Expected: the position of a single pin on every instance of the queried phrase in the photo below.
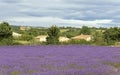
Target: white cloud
(47, 21)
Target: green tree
(98, 38)
(112, 35)
(85, 30)
(53, 35)
(5, 34)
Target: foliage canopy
(5, 34)
(85, 30)
(53, 35)
(5, 30)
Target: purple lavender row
(59, 60)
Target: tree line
(101, 36)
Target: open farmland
(59, 60)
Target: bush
(26, 37)
(82, 41)
(6, 41)
(17, 43)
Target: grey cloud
(10, 1)
(96, 2)
(65, 9)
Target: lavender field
(59, 60)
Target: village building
(14, 34)
(23, 28)
(82, 36)
(63, 39)
(42, 38)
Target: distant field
(59, 60)
(63, 30)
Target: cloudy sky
(60, 12)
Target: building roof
(82, 37)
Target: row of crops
(59, 60)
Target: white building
(84, 37)
(42, 38)
(63, 39)
(14, 34)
